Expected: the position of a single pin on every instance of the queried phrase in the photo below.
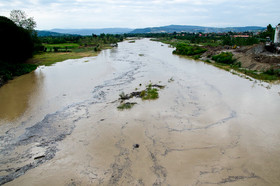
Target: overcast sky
(145, 13)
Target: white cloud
(143, 13)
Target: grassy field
(49, 58)
(62, 46)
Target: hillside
(42, 33)
(186, 28)
(85, 32)
(163, 29)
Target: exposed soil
(253, 57)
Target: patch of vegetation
(189, 50)
(133, 41)
(273, 72)
(49, 58)
(60, 47)
(196, 57)
(8, 71)
(150, 93)
(252, 73)
(224, 57)
(127, 105)
(207, 61)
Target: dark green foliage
(273, 72)
(185, 49)
(16, 42)
(269, 32)
(224, 57)
(229, 40)
(9, 70)
(17, 45)
(205, 39)
(94, 41)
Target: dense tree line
(16, 42)
(83, 40)
(211, 39)
(17, 45)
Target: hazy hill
(186, 28)
(42, 33)
(162, 29)
(85, 32)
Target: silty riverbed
(60, 125)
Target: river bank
(45, 59)
(206, 127)
(252, 60)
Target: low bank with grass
(9, 71)
(226, 61)
(223, 60)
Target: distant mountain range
(163, 29)
(186, 28)
(84, 32)
(42, 33)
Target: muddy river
(60, 124)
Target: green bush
(197, 57)
(273, 72)
(224, 57)
(185, 49)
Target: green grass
(150, 93)
(252, 73)
(49, 58)
(8, 71)
(61, 46)
(74, 51)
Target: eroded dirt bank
(208, 127)
(254, 57)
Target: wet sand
(208, 127)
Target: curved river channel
(60, 125)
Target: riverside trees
(16, 42)
(17, 45)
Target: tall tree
(16, 42)
(20, 18)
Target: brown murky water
(60, 125)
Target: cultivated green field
(61, 47)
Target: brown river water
(60, 125)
